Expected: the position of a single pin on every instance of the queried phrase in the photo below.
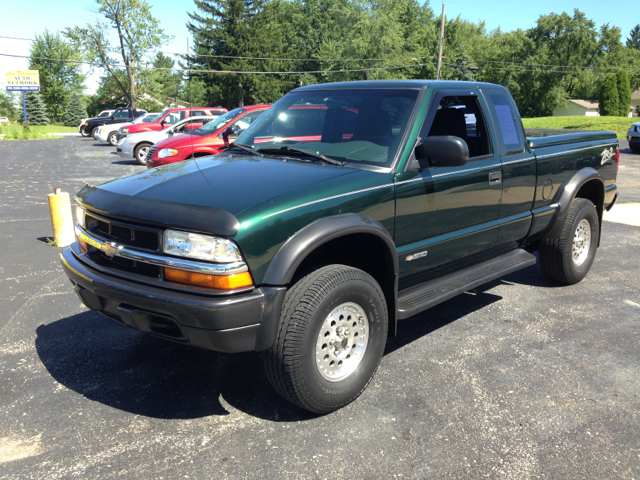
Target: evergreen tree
(634, 38)
(36, 110)
(225, 27)
(624, 93)
(75, 111)
(609, 98)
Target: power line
(193, 70)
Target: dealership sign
(23, 80)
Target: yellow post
(61, 218)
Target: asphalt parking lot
(519, 379)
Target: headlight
(80, 216)
(167, 152)
(202, 247)
(124, 130)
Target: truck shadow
(109, 363)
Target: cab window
(121, 114)
(461, 116)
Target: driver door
(446, 216)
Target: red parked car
(207, 140)
(171, 116)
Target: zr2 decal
(607, 155)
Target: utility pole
(441, 43)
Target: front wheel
(83, 132)
(112, 139)
(568, 258)
(140, 153)
(332, 334)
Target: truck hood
(205, 194)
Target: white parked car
(108, 133)
(137, 145)
(104, 113)
(4, 120)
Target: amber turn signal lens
(82, 244)
(222, 282)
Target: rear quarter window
(506, 121)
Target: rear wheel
(112, 139)
(333, 330)
(140, 153)
(568, 258)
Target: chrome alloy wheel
(342, 341)
(142, 154)
(581, 242)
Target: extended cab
(340, 211)
(121, 115)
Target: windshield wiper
(301, 152)
(245, 148)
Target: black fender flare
(567, 193)
(290, 256)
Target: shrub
(609, 98)
(624, 93)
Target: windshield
(363, 126)
(220, 122)
(150, 117)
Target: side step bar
(420, 297)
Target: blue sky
(26, 19)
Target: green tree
(609, 98)
(624, 93)
(60, 70)
(75, 111)
(8, 105)
(36, 110)
(634, 38)
(138, 32)
(225, 28)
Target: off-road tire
(557, 254)
(290, 364)
(137, 155)
(112, 139)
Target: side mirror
(228, 132)
(442, 151)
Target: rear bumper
(235, 323)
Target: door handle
(495, 178)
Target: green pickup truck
(342, 210)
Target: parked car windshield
(219, 122)
(363, 126)
(150, 117)
(104, 114)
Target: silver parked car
(633, 137)
(137, 145)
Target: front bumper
(234, 323)
(125, 150)
(102, 136)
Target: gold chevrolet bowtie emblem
(110, 249)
